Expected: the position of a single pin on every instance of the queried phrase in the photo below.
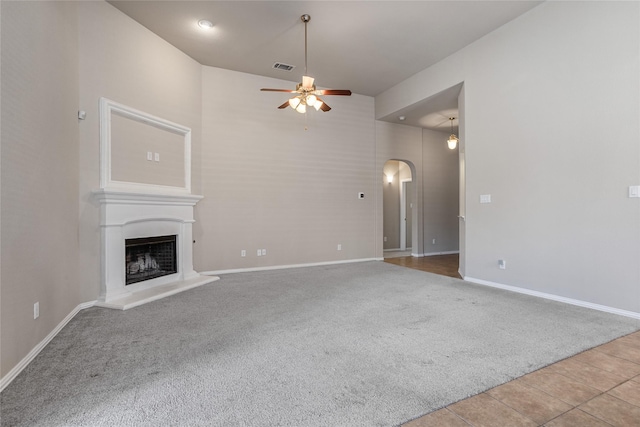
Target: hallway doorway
(398, 206)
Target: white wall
(270, 184)
(39, 173)
(552, 131)
(123, 61)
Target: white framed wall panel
(107, 109)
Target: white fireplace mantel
(127, 215)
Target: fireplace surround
(127, 216)
(138, 211)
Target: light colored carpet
(367, 344)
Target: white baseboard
(579, 303)
(441, 253)
(13, 373)
(282, 267)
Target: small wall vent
(284, 67)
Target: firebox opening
(150, 257)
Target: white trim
(417, 255)
(283, 267)
(107, 107)
(132, 198)
(441, 253)
(13, 373)
(579, 303)
(393, 250)
(403, 213)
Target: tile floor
(599, 387)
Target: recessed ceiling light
(203, 23)
(402, 118)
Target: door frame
(403, 213)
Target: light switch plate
(634, 191)
(485, 198)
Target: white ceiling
(364, 46)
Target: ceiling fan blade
(285, 105)
(307, 82)
(278, 90)
(343, 92)
(324, 107)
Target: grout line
(458, 416)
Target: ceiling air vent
(284, 67)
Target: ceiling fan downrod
(305, 18)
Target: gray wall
(269, 183)
(131, 140)
(39, 189)
(434, 189)
(543, 96)
(441, 175)
(391, 205)
(399, 142)
(552, 124)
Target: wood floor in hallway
(445, 265)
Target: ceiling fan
(306, 92)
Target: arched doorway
(398, 208)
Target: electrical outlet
(339, 246)
(385, 238)
(259, 253)
(149, 155)
(36, 310)
(264, 252)
(433, 242)
(156, 157)
(243, 253)
(502, 264)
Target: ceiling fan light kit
(306, 92)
